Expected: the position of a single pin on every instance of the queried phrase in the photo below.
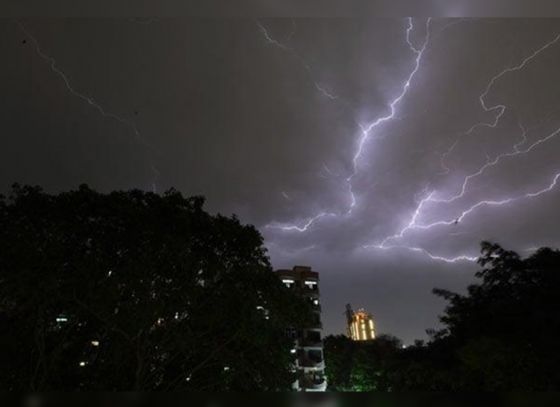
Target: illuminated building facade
(360, 325)
(308, 343)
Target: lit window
(288, 282)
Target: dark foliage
(137, 291)
(501, 335)
(360, 366)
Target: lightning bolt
(410, 224)
(366, 129)
(491, 163)
(369, 128)
(423, 251)
(479, 204)
(305, 227)
(500, 109)
(324, 91)
(452, 23)
(413, 225)
(369, 131)
(271, 40)
(91, 102)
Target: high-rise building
(308, 343)
(360, 324)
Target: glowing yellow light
(362, 326)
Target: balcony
(311, 359)
(313, 381)
(310, 364)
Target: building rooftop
(299, 272)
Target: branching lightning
(500, 109)
(366, 129)
(90, 101)
(369, 128)
(321, 88)
(305, 227)
(413, 225)
(432, 197)
(493, 162)
(424, 252)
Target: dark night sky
(265, 117)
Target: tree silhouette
(501, 335)
(137, 291)
(504, 332)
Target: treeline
(503, 334)
(138, 291)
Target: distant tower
(308, 346)
(349, 319)
(360, 324)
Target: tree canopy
(360, 366)
(137, 291)
(502, 334)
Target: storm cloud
(265, 117)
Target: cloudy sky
(378, 151)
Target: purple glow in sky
(378, 151)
